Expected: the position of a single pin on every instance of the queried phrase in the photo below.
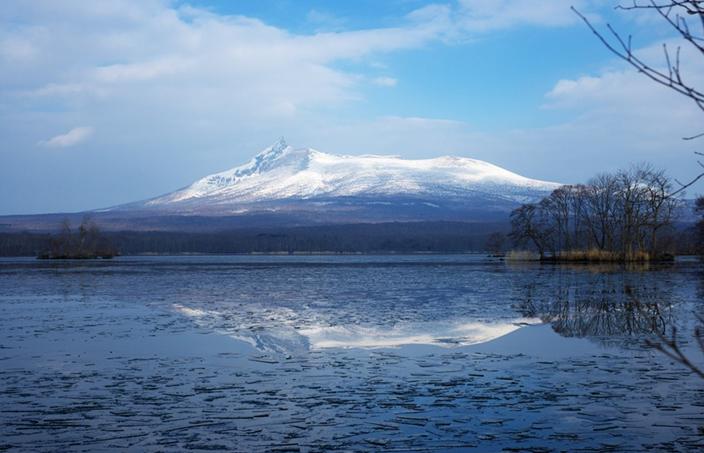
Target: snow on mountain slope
(281, 172)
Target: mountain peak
(271, 153)
(263, 161)
(280, 143)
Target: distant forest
(411, 237)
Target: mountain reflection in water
(461, 306)
(294, 335)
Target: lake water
(324, 353)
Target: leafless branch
(693, 137)
(685, 186)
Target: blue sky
(108, 102)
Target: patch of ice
(191, 312)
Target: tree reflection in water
(609, 303)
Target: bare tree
(632, 202)
(526, 227)
(660, 207)
(600, 199)
(557, 207)
(64, 243)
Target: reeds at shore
(588, 256)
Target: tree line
(627, 215)
(394, 237)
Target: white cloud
(225, 64)
(188, 62)
(624, 117)
(623, 94)
(487, 15)
(324, 20)
(15, 49)
(71, 138)
(385, 81)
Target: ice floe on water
(191, 312)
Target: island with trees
(624, 216)
(86, 242)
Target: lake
(350, 353)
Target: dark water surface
(396, 353)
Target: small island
(627, 216)
(87, 242)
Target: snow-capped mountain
(282, 178)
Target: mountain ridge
(284, 174)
